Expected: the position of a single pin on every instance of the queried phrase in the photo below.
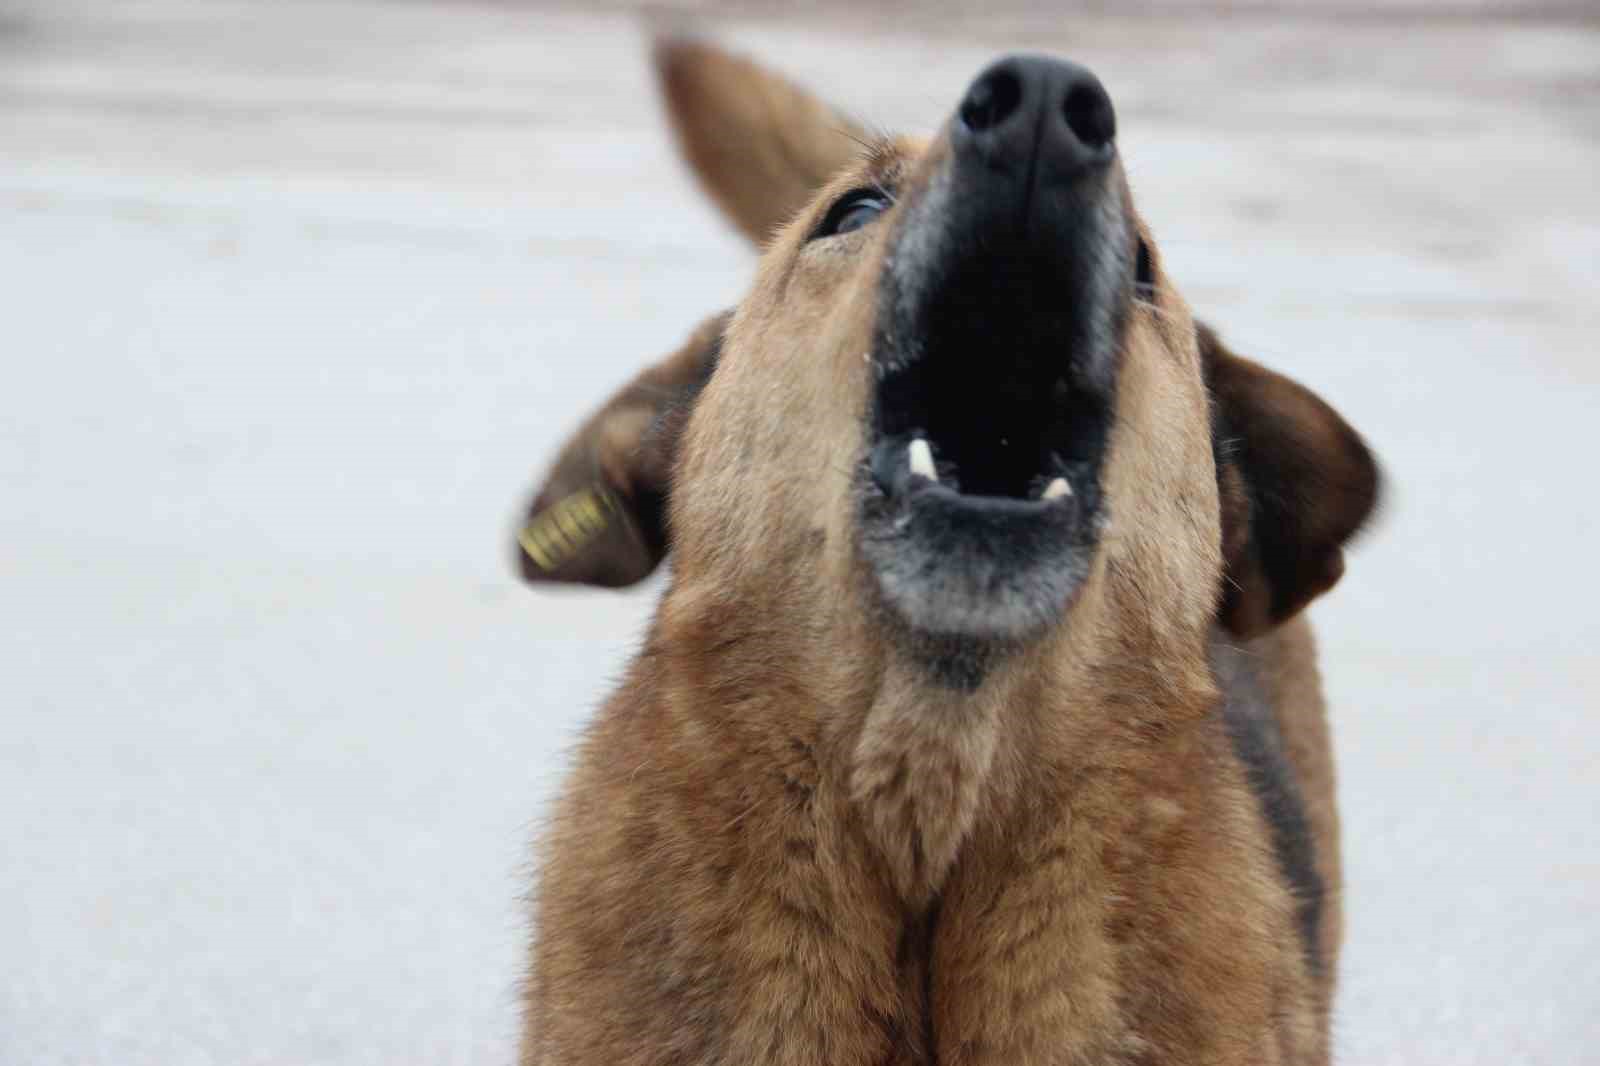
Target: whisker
(866, 145)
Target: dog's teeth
(1056, 489)
(922, 460)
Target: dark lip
(915, 498)
(1014, 507)
(894, 492)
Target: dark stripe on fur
(1253, 728)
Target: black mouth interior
(998, 423)
(1002, 410)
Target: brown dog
(977, 723)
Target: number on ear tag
(556, 535)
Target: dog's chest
(918, 776)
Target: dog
(978, 721)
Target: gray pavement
(298, 297)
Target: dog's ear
(1296, 483)
(600, 516)
(760, 145)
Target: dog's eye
(1144, 275)
(852, 211)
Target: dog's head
(962, 405)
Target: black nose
(1031, 109)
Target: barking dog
(977, 723)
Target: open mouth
(996, 356)
(981, 492)
(980, 502)
(1010, 430)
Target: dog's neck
(924, 764)
(919, 772)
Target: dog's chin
(965, 580)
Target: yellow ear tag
(554, 536)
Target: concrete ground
(299, 296)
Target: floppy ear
(600, 516)
(760, 145)
(1296, 483)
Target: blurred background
(298, 298)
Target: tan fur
(782, 844)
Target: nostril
(992, 100)
(1088, 112)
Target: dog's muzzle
(1005, 290)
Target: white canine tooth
(922, 460)
(1056, 489)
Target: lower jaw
(965, 585)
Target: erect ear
(600, 516)
(1296, 483)
(760, 145)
